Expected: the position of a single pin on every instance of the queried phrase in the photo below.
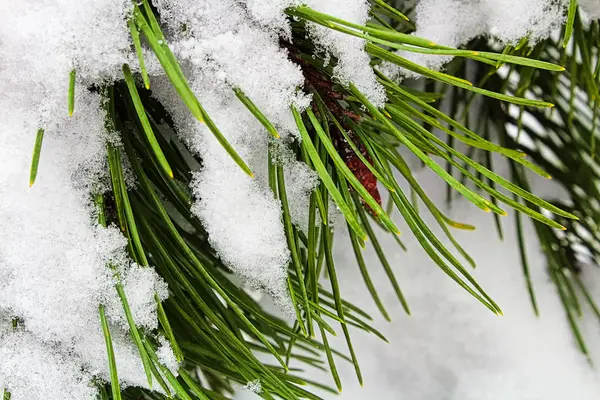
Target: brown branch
(322, 84)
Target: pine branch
(215, 328)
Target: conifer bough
(168, 152)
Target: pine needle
(112, 365)
(35, 160)
(71, 101)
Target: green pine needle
(175, 75)
(349, 175)
(570, 22)
(135, 36)
(141, 113)
(256, 112)
(112, 365)
(35, 160)
(292, 245)
(71, 100)
(326, 179)
(135, 334)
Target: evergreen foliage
(534, 114)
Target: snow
(53, 254)
(353, 60)
(591, 8)
(253, 386)
(32, 369)
(140, 284)
(166, 356)
(455, 22)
